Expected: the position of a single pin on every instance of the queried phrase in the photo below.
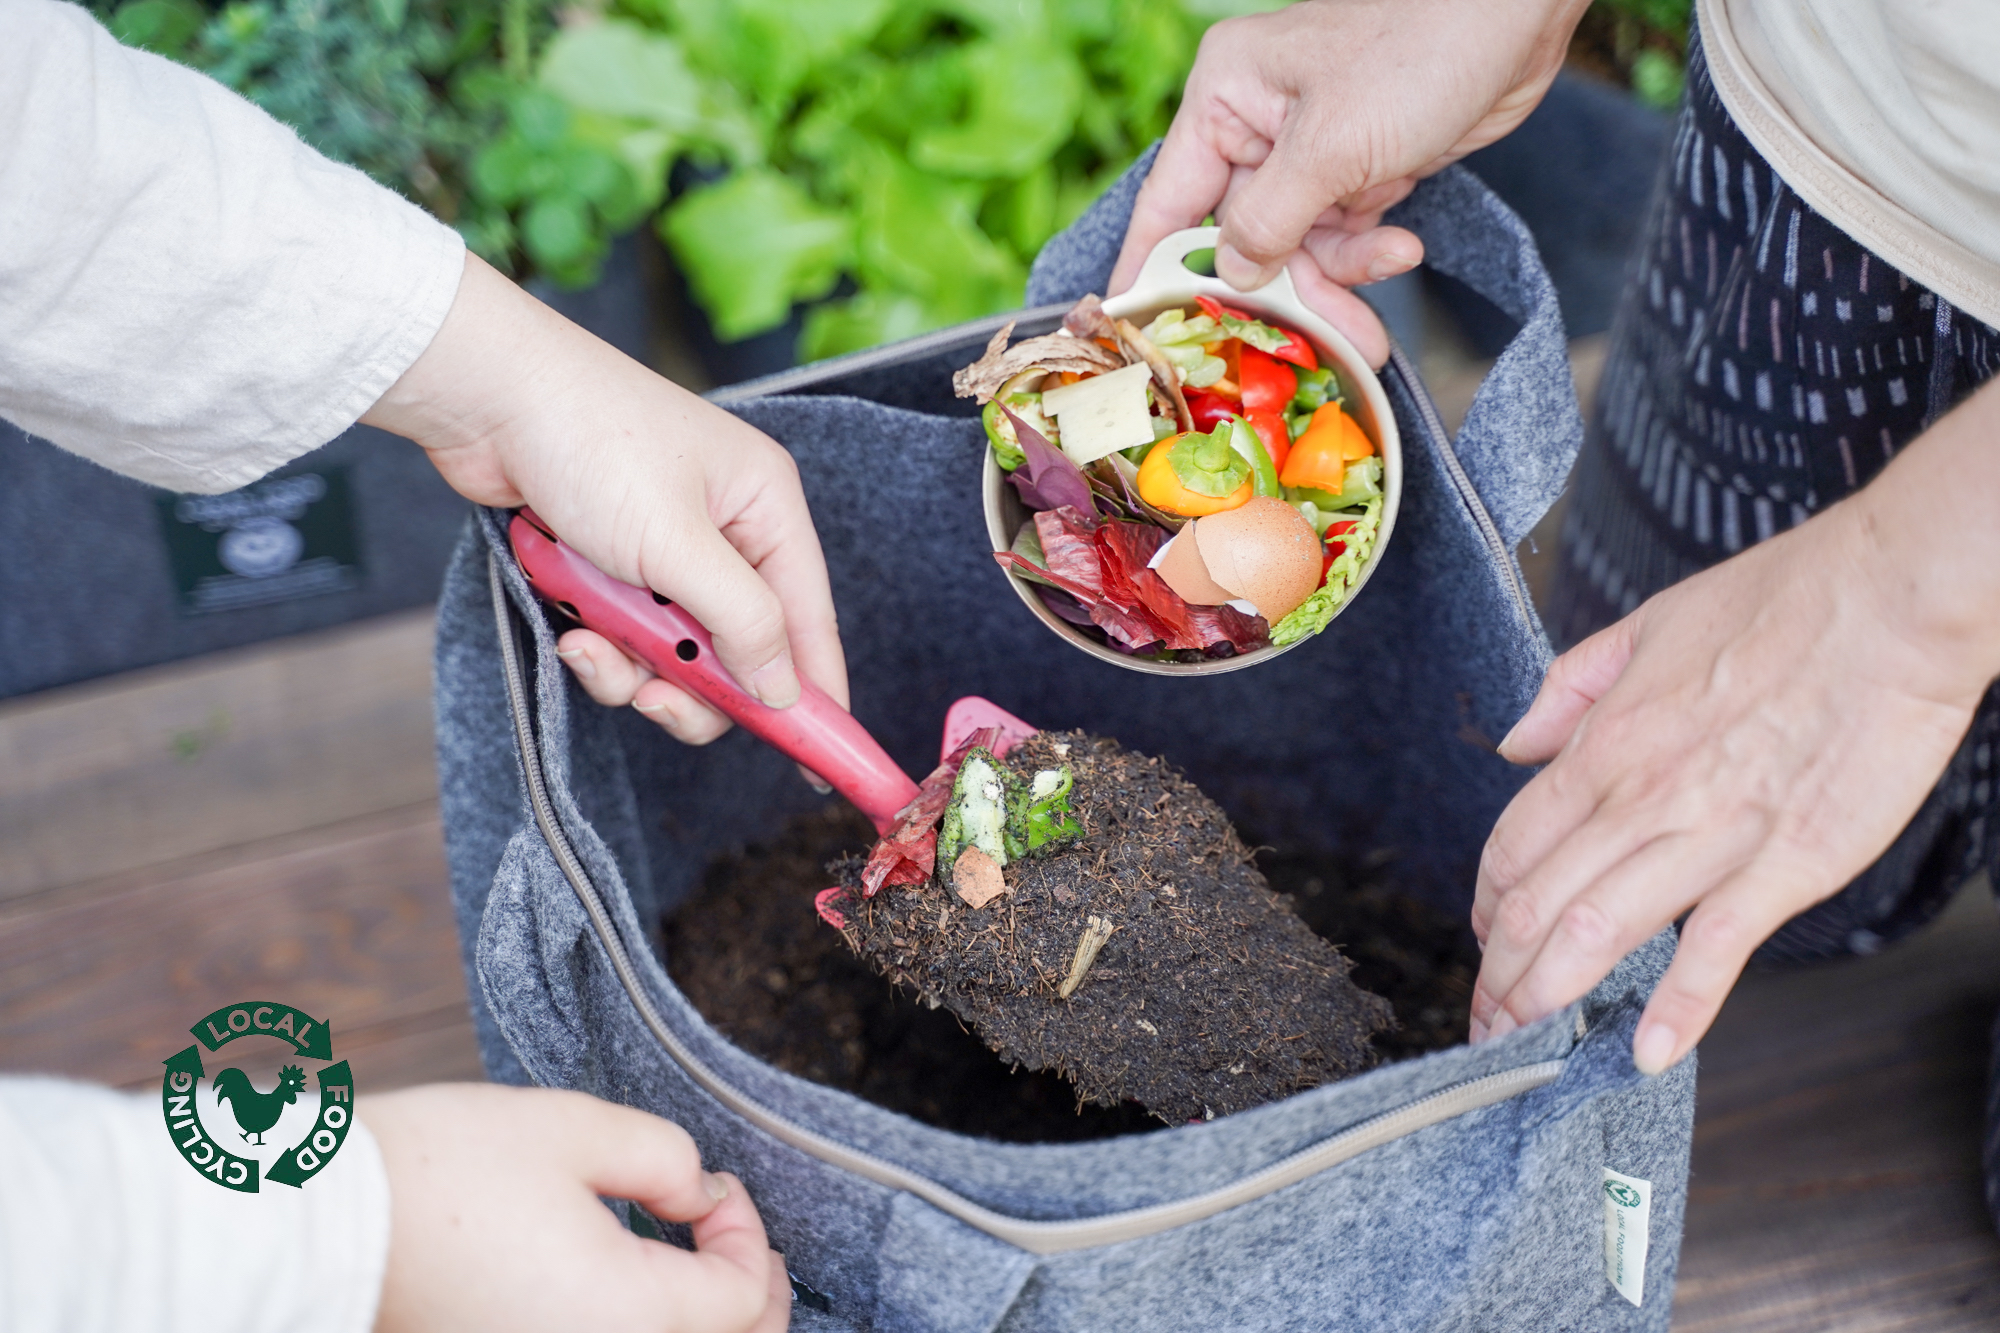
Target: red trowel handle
(815, 731)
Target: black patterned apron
(1763, 365)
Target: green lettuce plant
(894, 164)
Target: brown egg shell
(1264, 552)
(1181, 568)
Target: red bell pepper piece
(1270, 428)
(1268, 384)
(1215, 310)
(1296, 349)
(1209, 410)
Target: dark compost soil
(754, 958)
(1209, 996)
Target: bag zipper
(1468, 494)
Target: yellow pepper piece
(1160, 488)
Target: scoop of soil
(750, 954)
(1147, 961)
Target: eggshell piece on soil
(977, 879)
(1181, 567)
(1264, 552)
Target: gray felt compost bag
(1534, 1183)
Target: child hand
(496, 1224)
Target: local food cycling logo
(229, 1145)
(1622, 1194)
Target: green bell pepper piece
(1316, 389)
(1245, 440)
(1025, 403)
(1043, 811)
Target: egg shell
(1182, 569)
(1264, 552)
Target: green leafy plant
(893, 164)
(411, 91)
(1641, 43)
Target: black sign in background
(87, 587)
(329, 560)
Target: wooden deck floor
(1836, 1163)
(260, 824)
(1836, 1171)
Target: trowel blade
(972, 714)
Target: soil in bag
(1205, 992)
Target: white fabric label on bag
(1628, 1215)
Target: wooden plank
(352, 924)
(169, 762)
(1837, 1181)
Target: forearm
(509, 400)
(104, 1227)
(1928, 528)
(188, 294)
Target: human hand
(1299, 128)
(1743, 745)
(516, 405)
(496, 1225)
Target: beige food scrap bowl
(1166, 282)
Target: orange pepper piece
(1319, 458)
(1160, 488)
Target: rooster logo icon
(257, 1111)
(318, 1082)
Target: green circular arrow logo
(257, 1112)
(1622, 1194)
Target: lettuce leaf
(753, 244)
(1046, 479)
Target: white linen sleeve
(104, 1229)
(188, 294)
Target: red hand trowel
(815, 731)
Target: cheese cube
(1102, 414)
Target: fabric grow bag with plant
(1470, 1189)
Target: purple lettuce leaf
(1047, 480)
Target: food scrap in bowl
(1197, 487)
